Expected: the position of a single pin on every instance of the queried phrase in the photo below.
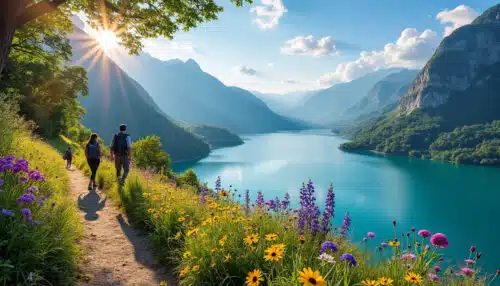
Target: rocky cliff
(456, 64)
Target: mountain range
(187, 93)
(116, 98)
(449, 110)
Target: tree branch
(36, 10)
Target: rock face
(456, 64)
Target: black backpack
(119, 145)
(93, 150)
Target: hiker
(68, 156)
(93, 155)
(121, 149)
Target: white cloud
(307, 45)
(411, 50)
(458, 17)
(271, 64)
(268, 13)
(245, 70)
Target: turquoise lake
(462, 202)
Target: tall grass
(210, 239)
(41, 249)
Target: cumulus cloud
(245, 70)
(307, 45)
(458, 17)
(268, 14)
(411, 50)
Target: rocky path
(113, 252)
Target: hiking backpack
(93, 150)
(120, 146)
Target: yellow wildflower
(308, 277)
(214, 250)
(193, 231)
(254, 278)
(163, 283)
(368, 282)
(271, 237)
(227, 258)
(385, 281)
(187, 254)
(182, 212)
(236, 208)
(196, 268)
(223, 193)
(222, 241)
(393, 243)
(273, 253)
(181, 219)
(178, 235)
(212, 206)
(251, 239)
(413, 278)
(184, 271)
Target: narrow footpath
(113, 252)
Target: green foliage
(46, 253)
(216, 137)
(148, 154)
(474, 144)
(36, 74)
(189, 178)
(397, 134)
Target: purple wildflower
(20, 165)
(286, 202)
(32, 190)
(26, 214)
(433, 277)
(308, 212)
(365, 239)
(34, 175)
(408, 257)
(34, 222)
(348, 257)
(218, 186)
(439, 240)
(277, 202)
(26, 198)
(6, 212)
(437, 269)
(260, 200)
(329, 211)
(472, 248)
(272, 205)
(6, 163)
(346, 224)
(371, 234)
(315, 227)
(383, 244)
(203, 193)
(424, 233)
(23, 180)
(328, 245)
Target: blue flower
(328, 245)
(26, 214)
(348, 257)
(7, 213)
(26, 198)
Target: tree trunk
(9, 10)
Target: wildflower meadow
(212, 238)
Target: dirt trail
(114, 252)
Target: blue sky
(310, 44)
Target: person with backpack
(68, 156)
(121, 149)
(93, 155)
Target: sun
(107, 39)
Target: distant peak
(490, 16)
(192, 63)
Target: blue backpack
(93, 151)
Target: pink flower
(437, 269)
(371, 234)
(472, 248)
(433, 277)
(424, 233)
(467, 271)
(439, 240)
(469, 261)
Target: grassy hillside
(36, 249)
(216, 137)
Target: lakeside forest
(57, 88)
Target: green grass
(45, 254)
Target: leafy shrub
(148, 154)
(189, 178)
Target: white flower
(327, 258)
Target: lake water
(462, 202)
